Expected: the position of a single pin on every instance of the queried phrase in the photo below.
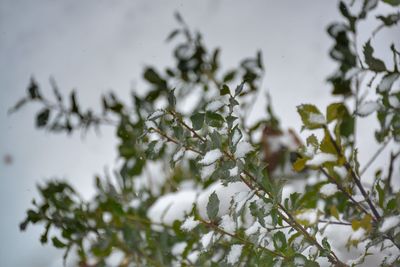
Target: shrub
(199, 186)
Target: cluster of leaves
(210, 146)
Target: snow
(321, 158)
(394, 101)
(214, 105)
(193, 256)
(234, 254)
(234, 171)
(316, 118)
(178, 248)
(309, 216)
(172, 206)
(358, 235)
(242, 149)
(254, 228)
(158, 147)
(236, 136)
(207, 171)
(328, 189)
(341, 171)
(206, 239)
(227, 224)
(225, 195)
(189, 224)
(389, 223)
(367, 108)
(178, 155)
(387, 82)
(211, 157)
(156, 114)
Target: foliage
(234, 212)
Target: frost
(299, 261)
(242, 149)
(358, 235)
(310, 216)
(214, 105)
(234, 171)
(394, 101)
(206, 239)
(234, 254)
(227, 224)
(211, 157)
(328, 189)
(389, 223)
(178, 248)
(316, 118)
(189, 224)
(321, 158)
(156, 114)
(367, 108)
(207, 171)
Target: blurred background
(101, 45)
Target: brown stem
(354, 176)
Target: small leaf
(171, 98)
(239, 89)
(224, 90)
(310, 115)
(42, 118)
(57, 243)
(197, 121)
(213, 206)
(299, 164)
(373, 63)
(279, 240)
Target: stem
(354, 176)
(343, 190)
(390, 172)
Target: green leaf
(213, 206)
(326, 144)
(57, 243)
(299, 164)
(239, 89)
(373, 63)
(214, 119)
(335, 111)
(390, 19)
(224, 90)
(279, 240)
(310, 115)
(171, 98)
(42, 118)
(392, 2)
(197, 121)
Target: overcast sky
(100, 45)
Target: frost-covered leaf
(279, 240)
(189, 224)
(234, 254)
(242, 149)
(367, 108)
(328, 189)
(310, 115)
(211, 156)
(387, 82)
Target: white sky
(100, 45)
